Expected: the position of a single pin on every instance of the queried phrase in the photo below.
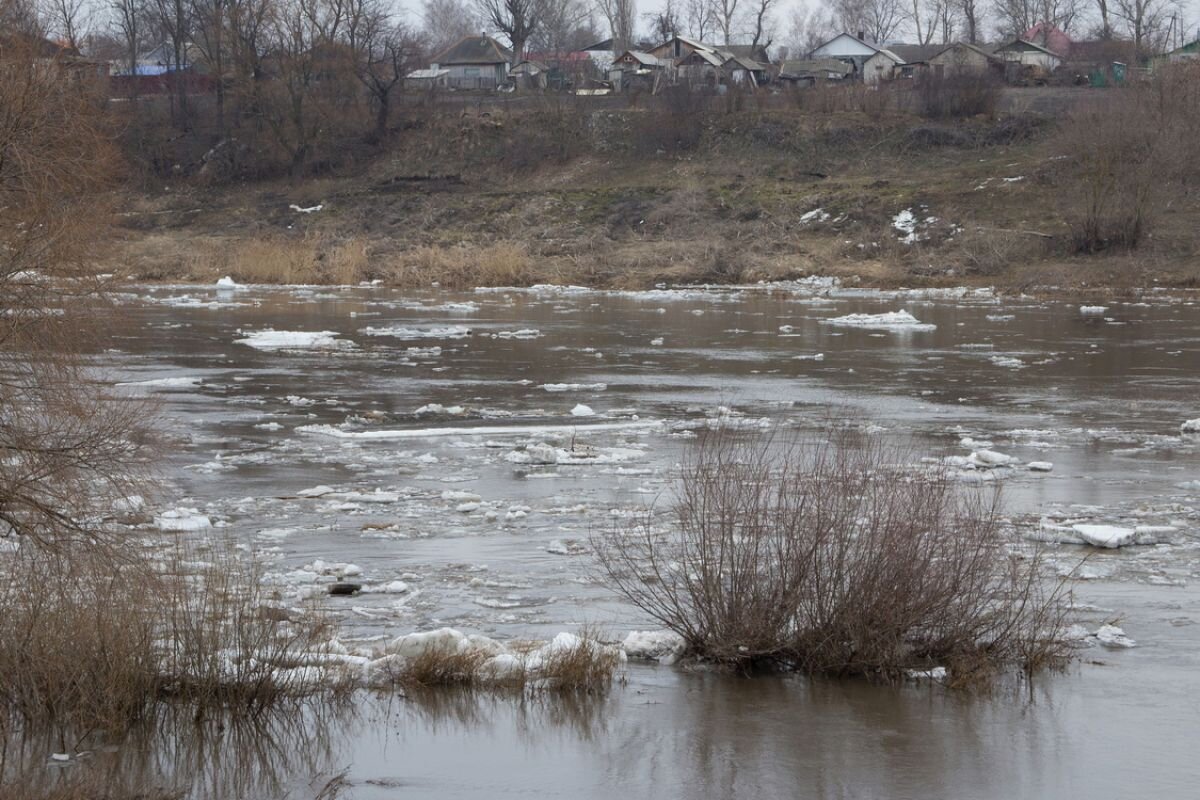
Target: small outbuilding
(1029, 54)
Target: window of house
(472, 72)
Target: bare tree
(518, 20)
(70, 20)
(725, 12)
(878, 20)
(620, 15)
(561, 24)
(174, 18)
(701, 21)
(444, 22)
(972, 15)
(764, 24)
(665, 23)
(1015, 17)
(64, 446)
(20, 16)
(129, 23)
(928, 16)
(1142, 18)
(808, 30)
(383, 51)
(211, 23)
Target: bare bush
(1128, 155)
(65, 449)
(956, 95)
(834, 557)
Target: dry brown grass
(312, 259)
(833, 556)
(97, 639)
(502, 263)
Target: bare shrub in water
(835, 557)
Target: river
(456, 451)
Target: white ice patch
(182, 519)
(491, 430)
(1190, 426)
(306, 210)
(228, 283)
(166, 383)
(665, 647)
(524, 333)
(1112, 636)
(293, 340)
(1107, 536)
(890, 320)
(906, 223)
(406, 333)
(574, 387)
(582, 411)
(1092, 311)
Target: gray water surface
(487, 542)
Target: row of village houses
(481, 62)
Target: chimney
(862, 36)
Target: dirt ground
(524, 197)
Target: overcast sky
(1190, 12)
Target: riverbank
(518, 198)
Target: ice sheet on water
(491, 430)
(1107, 536)
(270, 339)
(409, 333)
(166, 383)
(183, 520)
(574, 387)
(665, 647)
(891, 320)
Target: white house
(1028, 54)
(844, 47)
(474, 62)
(880, 67)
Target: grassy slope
(609, 212)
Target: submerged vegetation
(837, 557)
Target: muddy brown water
(1101, 394)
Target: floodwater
(467, 445)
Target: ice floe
(182, 519)
(293, 340)
(574, 387)
(409, 333)
(665, 647)
(890, 320)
